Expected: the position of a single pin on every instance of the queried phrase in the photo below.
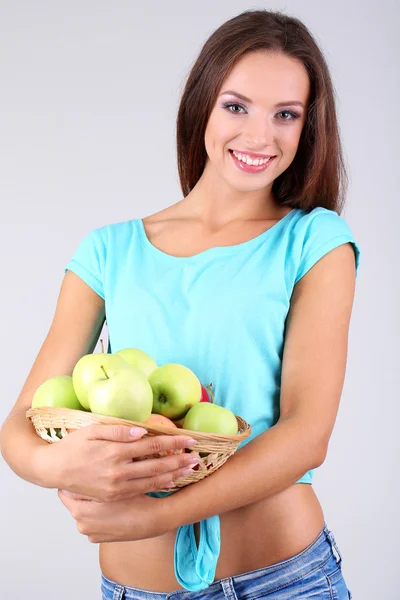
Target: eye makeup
(229, 105)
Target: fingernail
(193, 461)
(189, 442)
(170, 485)
(187, 470)
(137, 432)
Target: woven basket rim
(103, 419)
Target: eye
(229, 105)
(293, 114)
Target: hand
(118, 521)
(105, 463)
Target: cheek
(289, 152)
(289, 142)
(211, 141)
(218, 132)
(290, 136)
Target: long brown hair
(317, 175)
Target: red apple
(204, 393)
(155, 420)
(159, 420)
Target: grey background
(89, 93)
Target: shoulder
(99, 244)
(315, 233)
(321, 221)
(109, 234)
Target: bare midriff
(252, 537)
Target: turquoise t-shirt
(221, 313)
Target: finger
(152, 467)
(130, 482)
(154, 444)
(66, 499)
(115, 433)
(154, 483)
(77, 496)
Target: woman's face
(269, 122)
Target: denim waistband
(282, 573)
(291, 569)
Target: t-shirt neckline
(217, 250)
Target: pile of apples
(130, 385)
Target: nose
(258, 133)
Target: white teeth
(249, 161)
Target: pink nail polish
(190, 442)
(137, 432)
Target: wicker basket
(215, 449)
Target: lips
(252, 155)
(244, 167)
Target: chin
(247, 188)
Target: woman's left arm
(313, 372)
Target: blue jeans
(315, 572)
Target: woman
(249, 280)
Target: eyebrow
(291, 102)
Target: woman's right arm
(100, 461)
(76, 326)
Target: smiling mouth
(251, 168)
(252, 155)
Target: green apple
(210, 418)
(57, 391)
(124, 393)
(88, 370)
(139, 359)
(175, 390)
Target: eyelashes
(292, 113)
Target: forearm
(267, 465)
(19, 444)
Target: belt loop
(118, 592)
(228, 589)
(334, 546)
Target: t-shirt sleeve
(325, 231)
(88, 260)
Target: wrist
(166, 517)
